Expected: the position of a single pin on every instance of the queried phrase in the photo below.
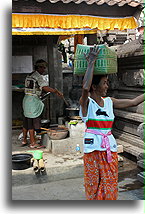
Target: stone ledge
(128, 138)
(119, 148)
(66, 146)
(129, 115)
(141, 177)
(126, 126)
(140, 163)
(127, 147)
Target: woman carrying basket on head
(100, 148)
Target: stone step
(66, 146)
(131, 139)
(126, 126)
(141, 177)
(141, 156)
(140, 163)
(127, 147)
(128, 121)
(129, 115)
(119, 148)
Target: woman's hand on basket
(92, 55)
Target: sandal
(24, 144)
(34, 146)
(41, 146)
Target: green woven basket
(106, 62)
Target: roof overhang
(72, 17)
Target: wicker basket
(106, 62)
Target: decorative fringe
(28, 24)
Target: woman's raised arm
(87, 81)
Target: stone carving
(132, 48)
(133, 77)
(141, 156)
(140, 130)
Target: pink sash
(105, 142)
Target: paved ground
(63, 179)
(69, 189)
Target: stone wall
(72, 87)
(128, 83)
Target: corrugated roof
(132, 3)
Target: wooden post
(55, 79)
(78, 39)
(51, 77)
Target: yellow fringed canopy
(51, 24)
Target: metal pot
(45, 123)
(72, 112)
(21, 161)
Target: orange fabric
(56, 24)
(100, 177)
(69, 21)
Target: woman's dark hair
(96, 80)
